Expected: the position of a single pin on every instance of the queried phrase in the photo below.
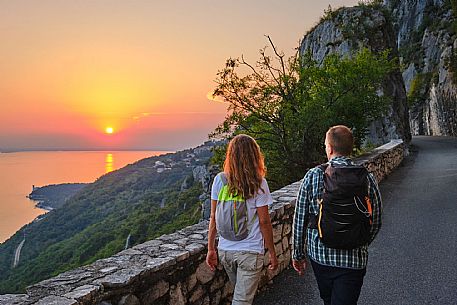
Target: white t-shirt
(254, 241)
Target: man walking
(337, 215)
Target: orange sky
(69, 69)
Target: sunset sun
(109, 130)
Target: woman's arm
(267, 233)
(211, 256)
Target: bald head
(339, 140)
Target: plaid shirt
(311, 189)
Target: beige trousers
(243, 269)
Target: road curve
(414, 258)
(17, 253)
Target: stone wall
(171, 269)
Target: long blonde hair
(244, 166)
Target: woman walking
(239, 213)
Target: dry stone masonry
(171, 269)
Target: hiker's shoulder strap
(223, 178)
(323, 166)
(311, 218)
(224, 193)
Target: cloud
(141, 115)
(213, 98)
(144, 115)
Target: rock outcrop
(423, 33)
(205, 175)
(427, 42)
(346, 31)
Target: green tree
(288, 104)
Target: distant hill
(54, 195)
(151, 197)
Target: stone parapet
(171, 269)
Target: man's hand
(273, 261)
(299, 266)
(211, 259)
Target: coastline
(22, 170)
(52, 196)
(40, 205)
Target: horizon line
(13, 150)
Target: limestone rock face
(350, 29)
(426, 39)
(205, 175)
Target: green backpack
(231, 214)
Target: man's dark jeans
(338, 286)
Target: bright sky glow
(146, 68)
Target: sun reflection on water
(109, 163)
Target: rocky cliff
(349, 29)
(422, 33)
(427, 41)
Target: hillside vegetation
(55, 195)
(151, 197)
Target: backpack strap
(223, 178)
(312, 218)
(224, 191)
(323, 166)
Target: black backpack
(345, 214)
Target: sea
(20, 171)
